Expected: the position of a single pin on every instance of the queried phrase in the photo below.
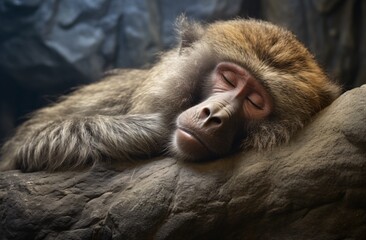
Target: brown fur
(131, 113)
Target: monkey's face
(217, 125)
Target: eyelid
(254, 104)
(227, 80)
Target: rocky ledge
(312, 188)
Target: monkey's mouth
(191, 144)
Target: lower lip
(189, 144)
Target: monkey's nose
(209, 118)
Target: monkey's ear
(189, 31)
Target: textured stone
(48, 47)
(45, 44)
(312, 188)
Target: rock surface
(47, 43)
(48, 47)
(312, 188)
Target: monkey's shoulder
(121, 73)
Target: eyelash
(227, 81)
(255, 105)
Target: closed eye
(256, 105)
(227, 80)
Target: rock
(312, 188)
(45, 44)
(49, 47)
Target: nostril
(205, 112)
(208, 117)
(216, 120)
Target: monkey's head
(257, 88)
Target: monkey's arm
(81, 141)
(90, 125)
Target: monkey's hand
(82, 141)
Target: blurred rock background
(49, 46)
